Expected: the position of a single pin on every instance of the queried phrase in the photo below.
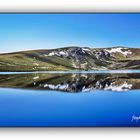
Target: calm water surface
(70, 98)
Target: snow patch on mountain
(85, 49)
(51, 54)
(59, 53)
(119, 50)
(62, 53)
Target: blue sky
(42, 31)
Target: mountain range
(71, 58)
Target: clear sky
(42, 31)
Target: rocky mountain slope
(72, 58)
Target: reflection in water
(72, 82)
(34, 107)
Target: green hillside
(71, 58)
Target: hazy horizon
(21, 32)
(62, 47)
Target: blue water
(24, 101)
(52, 108)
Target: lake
(70, 98)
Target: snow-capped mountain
(72, 58)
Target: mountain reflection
(71, 82)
